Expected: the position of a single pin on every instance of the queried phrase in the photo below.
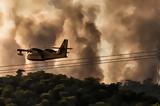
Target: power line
(29, 70)
(96, 62)
(99, 62)
(92, 62)
(85, 61)
(115, 55)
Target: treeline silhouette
(45, 89)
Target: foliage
(44, 89)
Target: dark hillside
(44, 89)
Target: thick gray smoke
(38, 35)
(8, 44)
(134, 24)
(40, 24)
(125, 25)
(8, 55)
(85, 34)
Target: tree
(7, 91)
(156, 104)
(45, 102)
(100, 104)
(67, 101)
(11, 104)
(20, 73)
(140, 104)
(45, 96)
(2, 101)
(44, 89)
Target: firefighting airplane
(35, 54)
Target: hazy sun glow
(8, 24)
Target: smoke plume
(133, 25)
(85, 34)
(125, 26)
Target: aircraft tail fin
(63, 48)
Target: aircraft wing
(23, 50)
